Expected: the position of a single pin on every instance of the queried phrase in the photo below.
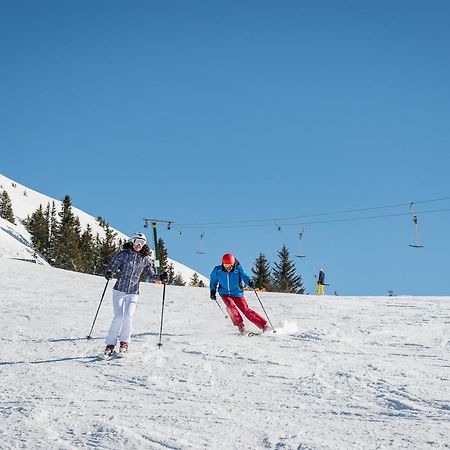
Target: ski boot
(123, 349)
(241, 329)
(108, 353)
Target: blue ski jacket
(230, 283)
(130, 265)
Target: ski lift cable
(381, 216)
(272, 220)
(349, 219)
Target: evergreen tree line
(281, 277)
(59, 239)
(195, 281)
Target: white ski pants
(124, 306)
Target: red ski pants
(233, 303)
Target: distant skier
(321, 283)
(130, 263)
(229, 278)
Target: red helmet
(228, 258)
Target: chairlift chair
(201, 251)
(416, 225)
(300, 237)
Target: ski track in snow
(340, 373)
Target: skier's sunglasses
(137, 241)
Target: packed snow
(339, 373)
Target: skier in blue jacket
(229, 278)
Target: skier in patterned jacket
(229, 278)
(130, 263)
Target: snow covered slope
(340, 373)
(15, 241)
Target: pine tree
(89, 254)
(37, 226)
(194, 280)
(170, 274)
(163, 256)
(262, 273)
(178, 280)
(67, 239)
(52, 223)
(284, 276)
(106, 248)
(6, 210)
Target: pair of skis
(113, 355)
(251, 333)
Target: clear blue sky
(222, 111)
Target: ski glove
(163, 277)
(108, 275)
(251, 284)
(212, 295)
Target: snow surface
(340, 373)
(15, 241)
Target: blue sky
(223, 111)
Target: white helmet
(139, 238)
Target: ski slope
(340, 373)
(15, 241)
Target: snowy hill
(340, 373)
(15, 241)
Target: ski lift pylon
(300, 237)
(416, 225)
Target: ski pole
(226, 317)
(257, 296)
(98, 309)
(162, 315)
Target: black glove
(251, 284)
(163, 277)
(108, 275)
(212, 295)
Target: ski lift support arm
(154, 222)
